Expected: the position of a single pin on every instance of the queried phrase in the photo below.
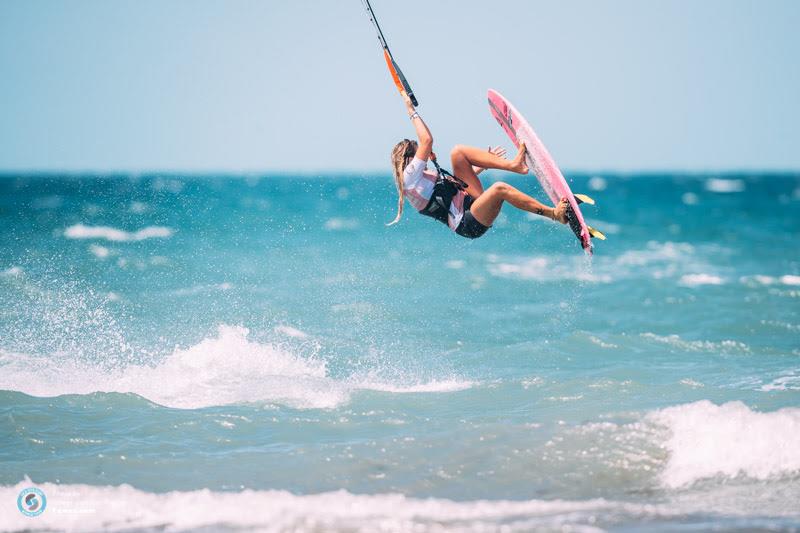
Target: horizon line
(338, 171)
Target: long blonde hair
(402, 153)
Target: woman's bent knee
(457, 151)
(499, 187)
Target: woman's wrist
(412, 115)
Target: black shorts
(469, 226)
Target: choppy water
(262, 353)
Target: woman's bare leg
(486, 208)
(463, 158)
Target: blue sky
(301, 85)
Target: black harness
(446, 187)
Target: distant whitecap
(597, 183)
(81, 231)
(693, 280)
(790, 280)
(788, 381)
(724, 185)
(101, 252)
(690, 198)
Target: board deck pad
(540, 162)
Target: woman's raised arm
(425, 144)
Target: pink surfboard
(540, 162)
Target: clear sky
(300, 85)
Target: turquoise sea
(261, 353)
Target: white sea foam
(78, 507)
(781, 325)
(94, 508)
(693, 280)
(573, 398)
(665, 260)
(761, 279)
(729, 440)
(610, 384)
(758, 279)
(220, 370)
(724, 346)
(535, 381)
(789, 380)
(81, 231)
(658, 260)
(679, 446)
(789, 294)
(725, 185)
(447, 385)
(601, 343)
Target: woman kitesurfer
(459, 200)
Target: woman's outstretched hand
(499, 151)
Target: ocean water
(261, 353)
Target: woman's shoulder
(415, 169)
(416, 166)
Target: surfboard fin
(583, 199)
(595, 234)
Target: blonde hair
(402, 153)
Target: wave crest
(221, 370)
(729, 440)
